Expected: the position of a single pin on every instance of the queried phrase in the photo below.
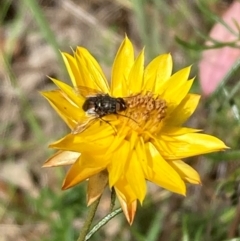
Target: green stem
(88, 221)
(103, 222)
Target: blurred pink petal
(215, 63)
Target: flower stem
(103, 222)
(88, 221)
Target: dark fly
(102, 105)
(96, 106)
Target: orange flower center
(145, 112)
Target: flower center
(145, 112)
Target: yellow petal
(88, 78)
(157, 73)
(77, 143)
(62, 158)
(118, 162)
(135, 177)
(161, 173)
(96, 186)
(99, 133)
(143, 157)
(177, 79)
(84, 168)
(135, 78)
(70, 93)
(66, 110)
(183, 111)
(118, 141)
(90, 71)
(134, 138)
(122, 65)
(176, 88)
(186, 145)
(176, 131)
(187, 173)
(72, 68)
(129, 210)
(124, 190)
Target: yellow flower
(143, 141)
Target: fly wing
(86, 91)
(83, 124)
